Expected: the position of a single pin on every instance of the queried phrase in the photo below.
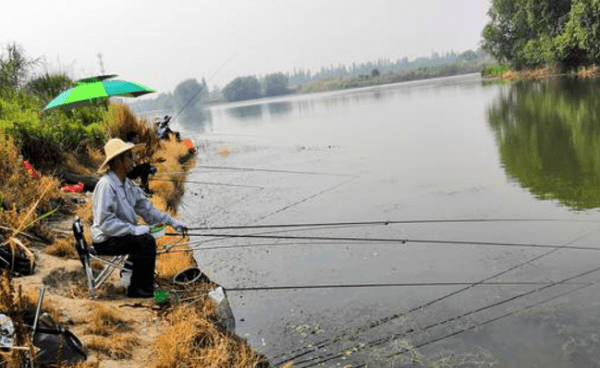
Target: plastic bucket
(190, 276)
(157, 231)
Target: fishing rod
(205, 183)
(388, 240)
(384, 223)
(252, 169)
(201, 88)
(306, 198)
(384, 285)
(436, 324)
(380, 321)
(458, 332)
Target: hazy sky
(162, 43)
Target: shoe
(139, 293)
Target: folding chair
(87, 254)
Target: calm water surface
(448, 148)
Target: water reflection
(245, 112)
(195, 119)
(548, 136)
(280, 108)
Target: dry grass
(23, 197)
(192, 340)
(120, 121)
(533, 74)
(105, 321)
(84, 211)
(169, 264)
(63, 248)
(114, 347)
(592, 71)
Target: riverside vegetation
(35, 221)
(543, 38)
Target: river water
(443, 149)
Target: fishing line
(228, 168)
(218, 237)
(398, 335)
(307, 198)
(486, 322)
(205, 182)
(209, 79)
(381, 321)
(228, 205)
(390, 240)
(193, 246)
(384, 223)
(377, 285)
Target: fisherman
(117, 204)
(141, 171)
(164, 131)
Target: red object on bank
(30, 168)
(73, 188)
(189, 144)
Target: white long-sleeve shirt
(117, 207)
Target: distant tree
(242, 88)
(275, 84)
(525, 32)
(190, 93)
(215, 94)
(468, 55)
(14, 67)
(579, 43)
(48, 86)
(375, 73)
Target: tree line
(251, 87)
(532, 33)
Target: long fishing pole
(252, 169)
(290, 205)
(384, 223)
(386, 285)
(389, 240)
(302, 200)
(436, 324)
(201, 88)
(206, 183)
(324, 343)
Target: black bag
(17, 264)
(56, 344)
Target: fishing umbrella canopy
(84, 93)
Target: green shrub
(495, 70)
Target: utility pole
(101, 63)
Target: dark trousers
(142, 255)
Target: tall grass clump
(20, 191)
(120, 121)
(192, 340)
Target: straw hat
(114, 148)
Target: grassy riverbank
(506, 73)
(388, 77)
(117, 331)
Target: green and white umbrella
(85, 93)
